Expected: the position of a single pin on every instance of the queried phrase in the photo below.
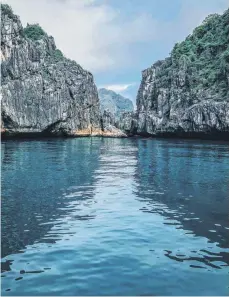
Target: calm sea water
(93, 216)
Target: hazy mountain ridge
(115, 103)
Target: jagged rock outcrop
(45, 93)
(108, 118)
(111, 124)
(42, 91)
(187, 94)
(128, 123)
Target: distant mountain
(115, 103)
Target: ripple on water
(114, 217)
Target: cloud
(104, 36)
(126, 90)
(91, 32)
(191, 14)
(117, 87)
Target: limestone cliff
(42, 91)
(187, 94)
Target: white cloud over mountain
(100, 37)
(91, 33)
(117, 88)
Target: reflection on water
(34, 182)
(188, 184)
(115, 217)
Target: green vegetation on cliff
(188, 92)
(203, 56)
(34, 32)
(7, 10)
(58, 55)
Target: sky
(116, 39)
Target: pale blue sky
(117, 39)
(175, 19)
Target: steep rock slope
(114, 103)
(114, 108)
(42, 91)
(188, 92)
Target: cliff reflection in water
(33, 173)
(115, 217)
(187, 183)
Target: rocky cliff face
(188, 93)
(45, 93)
(42, 91)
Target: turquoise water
(93, 216)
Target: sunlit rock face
(42, 91)
(188, 93)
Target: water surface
(91, 216)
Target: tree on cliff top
(34, 32)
